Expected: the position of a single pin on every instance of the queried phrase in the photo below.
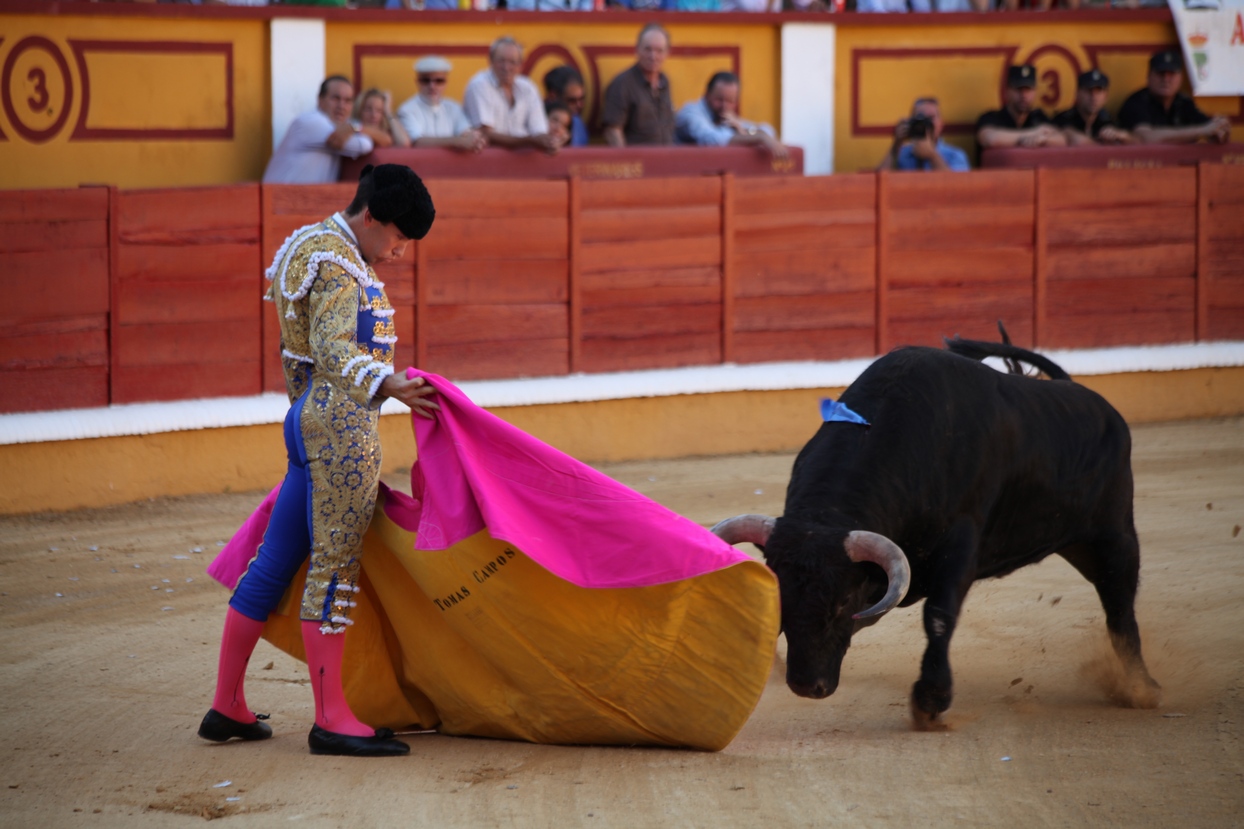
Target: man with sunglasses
(431, 119)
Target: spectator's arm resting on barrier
(1216, 129)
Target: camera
(919, 126)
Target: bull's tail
(1013, 355)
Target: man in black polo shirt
(1161, 114)
(638, 108)
(1020, 122)
(1088, 122)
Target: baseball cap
(1093, 79)
(433, 63)
(1166, 61)
(1023, 75)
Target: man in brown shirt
(638, 108)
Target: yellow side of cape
(480, 640)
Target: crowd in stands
(505, 109)
(881, 6)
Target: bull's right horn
(866, 546)
(753, 528)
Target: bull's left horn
(753, 528)
(866, 546)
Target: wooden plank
(574, 272)
(84, 204)
(422, 269)
(651, 321)
(700, 251)
(1225, 221)
(490, 323)
(984, 188)
(662, 295)
(1089, 296)
(1100, 330)
(399, 279)
(695, 277)
(937, 228)
(652, 222)
(186, 381)
(931, 330)
(786, 313)
(1224, 185)
(77, 341)
(186, 343)
(760, 195)
(1071, 189)
(815, 344)
(1204, 279)
(1228, 290)
(172, 263)
(42, 390)
(1001, 299)
(53, 235)
(190, 210)
(521, 238)
(1148, 224)
(76, 280)
(805, 272)
(1040, 254)
(493, 199)
(729, 273)
(960, 266)
(1225, 324)
(404, 330)
(672, 351)
(643, 192)
(270, 349)
(491, 281)
(825, 235)
(882, 293)
(497, 360)
(1122, 262)
(313, 201)
(162, 300)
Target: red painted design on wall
(82, 132)
(39, 96)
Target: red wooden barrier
(1121, 257)
(1112, 157)
(54, 318)
(185, 318)
(805, 255)
(958, 256)
(1221, 252)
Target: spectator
(918, 143)
(548, 5)
(311, 151)
(892, 6)
(751, 5)
(558, 116)
(504, 105)
(431, 119)
(373, 115)
(638, 108)
(1088, 122)
(1161, 114)
(1019, 123)
(713, 121)
(564, 85)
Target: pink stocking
(324, 651)
(237, 643)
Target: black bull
(964, 473)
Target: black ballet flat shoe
(382, 745)
(218, 728)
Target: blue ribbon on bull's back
(832, 411)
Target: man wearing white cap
(431, 119)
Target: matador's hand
(415, 392)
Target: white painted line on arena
(223, 412)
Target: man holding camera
(918, 143)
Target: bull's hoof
(1138, 691)
(926, 721)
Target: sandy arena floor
(111, 627)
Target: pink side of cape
(475, 470)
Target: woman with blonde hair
(373, 115)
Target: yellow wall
(385, 53)
(132, 101)
(880, 70)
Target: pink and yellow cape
(524, 595)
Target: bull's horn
(866, 546)
(753, 528)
